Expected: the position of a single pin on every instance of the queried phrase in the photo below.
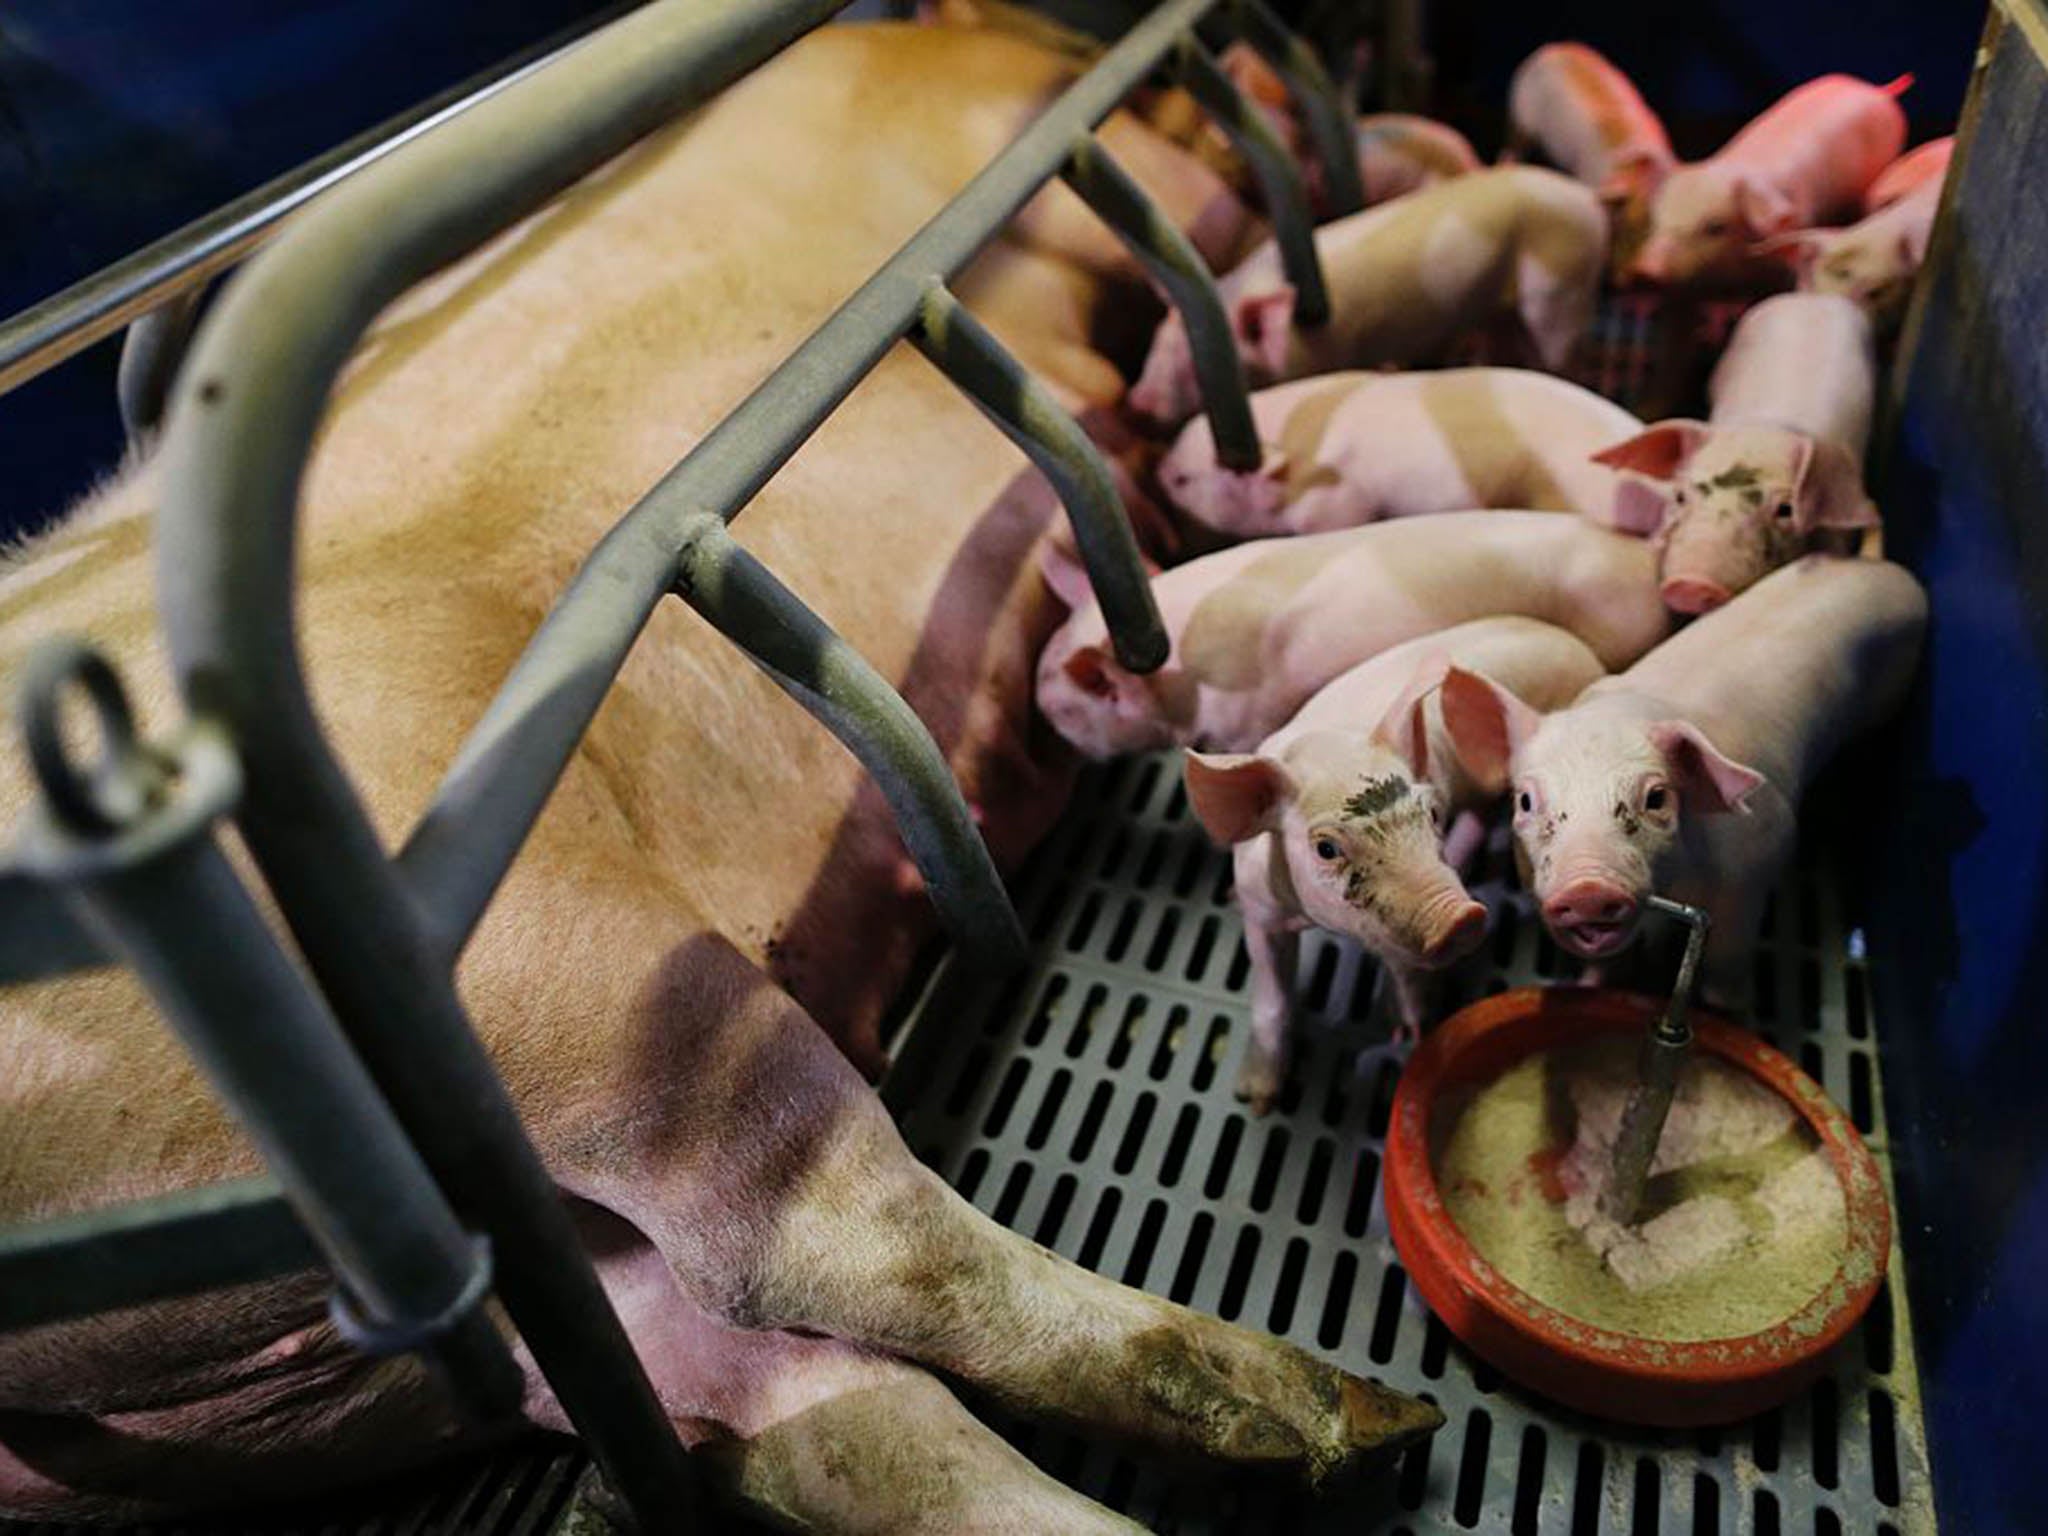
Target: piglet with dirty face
(1774, 472)
(1807, 160)
(1351, 448)
(1404, 279)
(1681, 777)
(1338, 820)
(1257, 629)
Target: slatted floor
(1090, 1107)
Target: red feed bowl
(1617, 1376)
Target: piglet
(1807, 160)
(1927, 162)
(1257, 629)
(1572, 107)
(1777, 468)
(1872, 262)
(1681, 777)
(1399, 153)
(1337, 821)
(1351, 448)
(1404, 279)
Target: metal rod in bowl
(1665, 1048)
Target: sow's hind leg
(779, 1192)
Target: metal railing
(346, 1085)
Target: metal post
(130, 843)
(1664, 1053)
(1331, 129)
(1279, 178)
(966, 353)
(1178, 268)
(796, 648)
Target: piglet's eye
(1525, 802)
(1657, 798)
(1327, 850)
(1783, 512)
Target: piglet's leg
(1274, 952)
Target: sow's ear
(1488, 726)
(1828, 490)
(1707, 782)
(1659, 452)
(1264, 322)
(1236, 795)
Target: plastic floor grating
(1089, 1105)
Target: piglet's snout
(1592, 914)
(1456, 931)
(1693, 594)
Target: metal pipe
(1177, 267)
(796, 648)
(65, 324)
(1278, 176)
(149, 1250)
(511, 761)
(965, 351)
(131, 846)
(1332, 132)
(40, 938)
(1664, 1053)
(243, 418)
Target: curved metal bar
(1279, 177)
(508, 766)
(150, 354)
(1331, 129)
(1178, 267)
(744, 601)
(964, 350)
(140, 866)
(243, 419)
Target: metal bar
(150, 355)
(131, 846)
(1177, 266)
(742, 598)
(39, 937)
(1331, 130)
(1664, 1052)
(965, 351)
(1279, 178)
(511, 761)
(150, 1250)
(243, 417)
(65, 324)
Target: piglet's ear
(1637, 507)
(1236, 795)
(1708, 783)
(1659, 451)
(1829, 490)
(1091, 669)
(1488, 725)
(1264, 323)
(1061, 567)
(1764, 210)
(1274, 465)
(1404, 728)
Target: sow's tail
(1897, 88)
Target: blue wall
(120, 121)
